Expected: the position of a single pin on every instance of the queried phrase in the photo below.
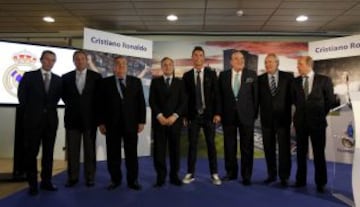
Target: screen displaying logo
(23, 61)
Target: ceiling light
(172, 17)
(239, 13)
(302, 18)
(48, 19)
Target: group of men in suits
(116, 104)
(313, 96)
(200, 100)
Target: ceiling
(195, 16)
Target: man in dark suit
(79, 88)
(313, 97)
(275, 116)
(167, 100)
(122, 116)
(203, 109)
(39, 92)
(239, 96)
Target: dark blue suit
(121, 117)
(239, 113)
(310, 120)
(167, 101)
(275, 116)
(40, 122)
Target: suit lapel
(73, 81)
(300, 86)
(228, 78)
(314, 85)
(41, 81)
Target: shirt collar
(165, 77)
(81, 72)
(201, 70)
(276, 74)
(236, 72)
(310, 74)
(44, 71)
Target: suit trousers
(318, 140)
(280, 136)
(246, 150)
(114, 140)
(73, 144)
(167, 137)
(45, 136)
(193, 135)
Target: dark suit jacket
(80, 108)
(211, 94)
(311, 112)
(245, 105)
(275, 108)
(130, 111)
(167, 100)
(34, 100)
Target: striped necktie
(273, 87)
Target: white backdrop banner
(335, 48)
(101, 41)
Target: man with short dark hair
(202, 112)
(38, 93)
(79, 88)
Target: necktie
(306, 86)
(236, 84)
(80, 83)
(167, 81)
(122, 87)
(46, 82)
(199, 104)
(273, 87)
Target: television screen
(18, 58)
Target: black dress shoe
(246, 182)
(320, 189)
(33, 191)
(299, 185)
(90, 183)
(134, 186)
(269, 180)
(158, 184)
(112, 186)
(228, 178)
(71, 183)
(48, 187)
(284, 183)
(176, 181)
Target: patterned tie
(273, 87)
(122, 87)
(46, 82)
(199, 104)
(306, 86)
(236, 84)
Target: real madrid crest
(23, 61)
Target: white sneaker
(215, 179)
(188, 178)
